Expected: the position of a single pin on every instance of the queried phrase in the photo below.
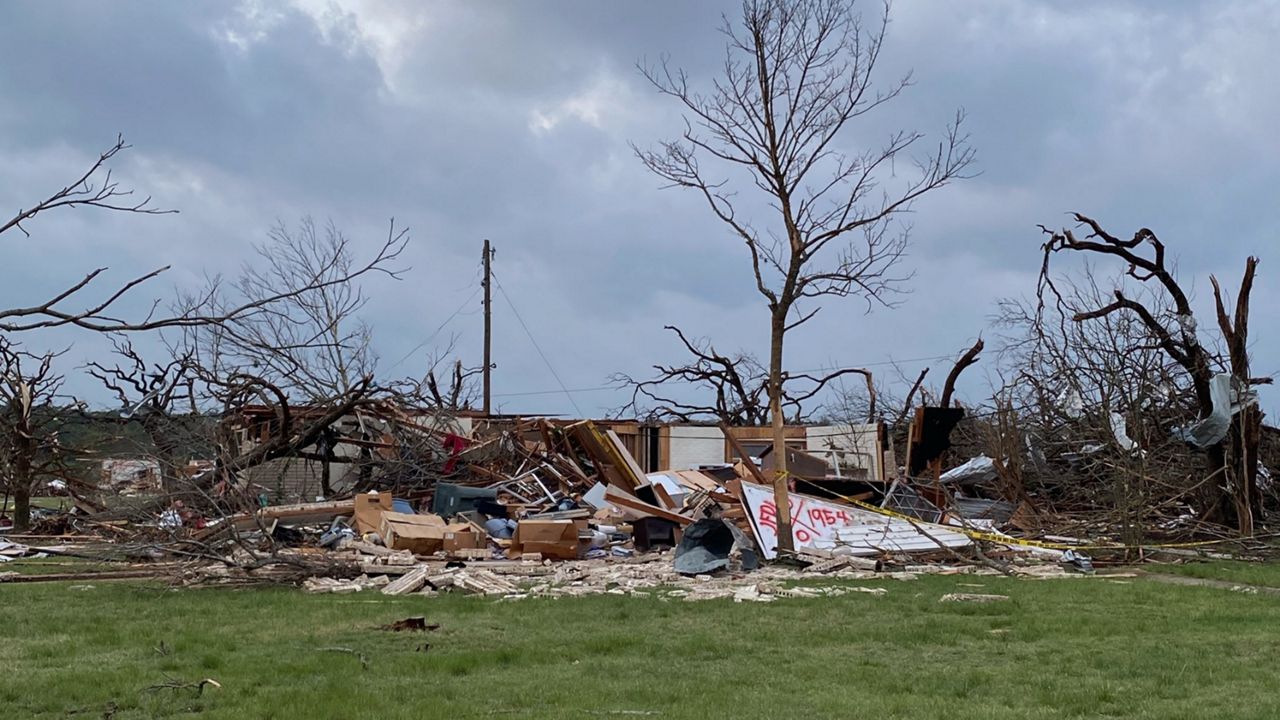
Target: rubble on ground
(560, 509)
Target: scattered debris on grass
(173, 684)
(537, 508)
(972, 597)
(364, 661)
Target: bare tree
(738, 385)
(307, 337)
(94, 188)
(285, 332)
(161, 397)
(304, 356)
(32, 410)
(1169, 324)
(459, 394)
(1080, 426)
(97, 188)
(796, 74)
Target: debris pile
(540, 508)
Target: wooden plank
(609, 455)
(408, 582)
(584, 434)
(628, 464)
(664, 497)
(367, 548)
(626, 500)
(94, 576)
(369, 568)
(304, 513)
(881, 440)
(544, 430)
(746, 459)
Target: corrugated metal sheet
(981, 509)
(896, 536)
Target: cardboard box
(369, 509)
(419, 534)
(462, 537)
(551, 538)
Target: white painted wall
(855, 445)
(692, 446)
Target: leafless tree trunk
(1245, 437)
(461, 392)
(737, 383)
(31, 416)
(311, 340)
(969, 357)
(1177, 337)
(795, 75)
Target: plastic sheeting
(707, 544)
(1226, 402)
(1120, 428)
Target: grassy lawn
(1237, 571)
(1057, 648)
(55, 565)
(49, 503)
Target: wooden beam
(620, 498)
(746, 459)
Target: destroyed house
(854, 452)
(350, 450)
(367, 441)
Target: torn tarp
(1226, 402)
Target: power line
(601, 388)
(433, 335)
(541, 354)
(557, 392)
(878, 364)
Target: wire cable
(541, 354)
(433, 335)
(601, 388)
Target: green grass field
(1081, 648)
(51, 503)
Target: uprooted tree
(796, 74)
(1170, 325)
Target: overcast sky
(511, 121)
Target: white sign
(826, 525)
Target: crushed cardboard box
(461, 536)
(368, 511)
(420, 534)
(550, 538)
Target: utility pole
(488, 325)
